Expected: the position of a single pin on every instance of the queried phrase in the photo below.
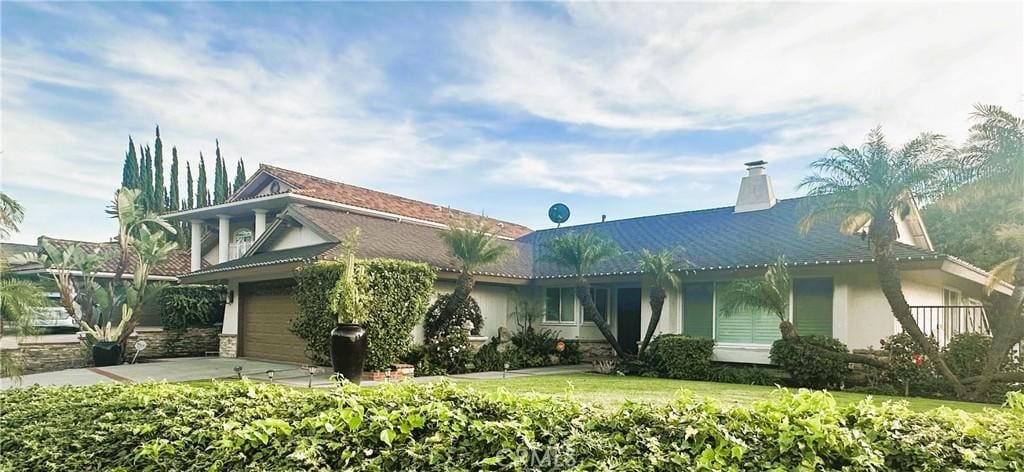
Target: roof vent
(756, 191)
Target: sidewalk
(206, 368)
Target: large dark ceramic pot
(106, 353)
(348, 351)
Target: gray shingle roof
(718, 239)
(298, 254)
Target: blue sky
(616, 109)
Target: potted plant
(348, 338)
(107, 350)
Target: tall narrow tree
(190, 196)
(159, 195)
(146, 178)
(130, 170)
(202, 192)
(173, 196)
(220, 179)
(239, 175)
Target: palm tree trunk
(788, 330)
(590, 310)
(1006, 322)
(463, 287)
(882, 233)
(657, 303)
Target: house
(281, 219)
(176, 263)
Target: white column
(223, 237)
(261, 223)
(197, 244)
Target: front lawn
(614, 390)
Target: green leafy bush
(807, 367)
(445, 340)
(254, 426)
(966, 354)
(182, 306)
(910, 371)
(678, 356)
(396, 292)
(526, 349)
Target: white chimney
(756, 191)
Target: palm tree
(580, 252)
(873, 185)
(657, 268)
(769, 293)
(474, 242)
(19, 299)
(993, 167)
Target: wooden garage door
(267, 311)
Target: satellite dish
(558, 213)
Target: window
(698, 309)
(747, 326)
(241, 243)
(812, 306)
(600, 296)
(559, 306)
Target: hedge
(398, 295)
(243, 425)
(182, 306)
(678, 356)
(805, 365)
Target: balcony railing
(236, 250)
(944, 322)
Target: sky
(614, 109)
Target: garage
(265, 314)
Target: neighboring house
(177, 263)
(281, 219)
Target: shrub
(445, 341)
(182, 306)
(679, 356)
(530, 348)
(744, 375)
(397, 293)
(966, 354)
(254, 426)
(909, 369)
(807, 367)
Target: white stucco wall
(293, 237)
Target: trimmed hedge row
(398, 293)
(243, 425)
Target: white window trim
(546, 322)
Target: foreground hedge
(237, 425)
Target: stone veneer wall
(58, 352)
(228, 345)
(596, 350)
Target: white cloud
(649, 68)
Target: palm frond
(768, 293)
(474, 242)
(1001, 273)
(11, 215)
(579, 251)
(659, 268)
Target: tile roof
(179, 262)
(721, 239)
(317, 187)
(379, 237)
(298, 254)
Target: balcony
(944, 322)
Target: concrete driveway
(171, 370)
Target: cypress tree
(220, 184)
(146, 178)
(159, 190)
(173, 199)
(202, 194)
(239, 175)
(191, 195)
(130, 170)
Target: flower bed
(236, 425)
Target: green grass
(614, 390)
